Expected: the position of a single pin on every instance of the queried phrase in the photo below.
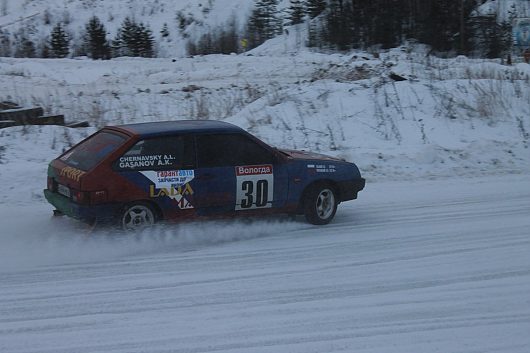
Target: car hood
(308, 155)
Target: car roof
(162, 128)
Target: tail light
(51, 184)
(89, 197)
(80, 196)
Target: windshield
(90, 152)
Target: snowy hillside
(450, 117)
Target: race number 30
(255, 187)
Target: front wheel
(137, 216)
(320, 204)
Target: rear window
(160, 153)
(90, 152)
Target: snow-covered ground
(425, 266)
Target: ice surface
(425, 266)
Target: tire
(320, 204)
(137, 216)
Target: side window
(225, 150)
(160, 153)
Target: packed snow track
(423, 266)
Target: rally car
(137, 174)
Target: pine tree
(25, 49)
(491, 39)
(387, 22)
(5, 43)
(263, 23)
(229, 39)
(164, 32)
(133, 39)
(120, 44)
(218, 41)
(96, 42)
(443, 24)
(339, 24)
(145, 41)
(296, 12)
(128, 35)
(59, 42)
(315, 7)
(117, 47)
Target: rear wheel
(137, 216)
(320, 204)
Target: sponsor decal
(254, 170)
(71, 173)
(173, 184)
(322, 168)
(255, 187)
(521, 32)
(158, 160)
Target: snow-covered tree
(5, 43)
(96, 43)
(339, 30)
(224, 40)
(133, 39)
(315, 7)
(145, 41)
(59, 42)
(164, 32)
(263, 23)
(296, 12)
(25, 48)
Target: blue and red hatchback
(138, 174)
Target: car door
(237, 173)
(160, 169)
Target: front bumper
(85, 213)
(348, 190)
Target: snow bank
(449, 117)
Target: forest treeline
(448, 27)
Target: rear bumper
(85, 213)
(348, 190)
